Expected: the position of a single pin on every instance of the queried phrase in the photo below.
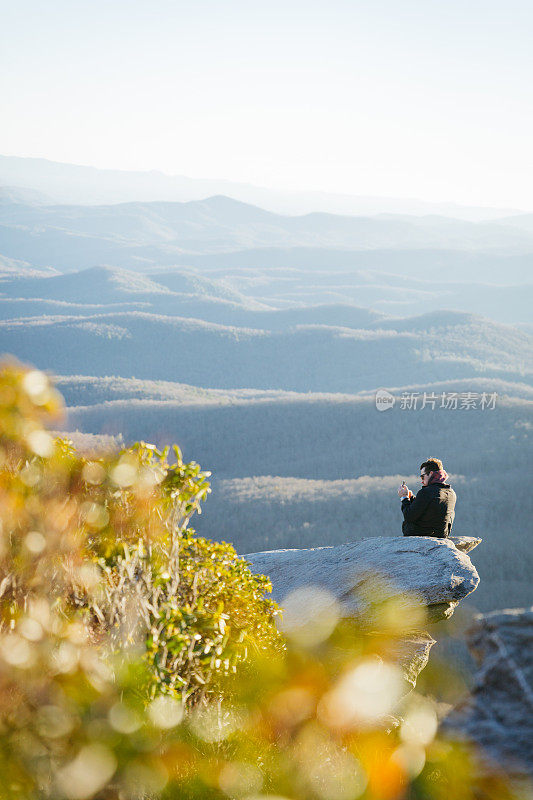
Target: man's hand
(403, 491)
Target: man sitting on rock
(432, 511)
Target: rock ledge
(437, 571)
(423, 573)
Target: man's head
(428, 468)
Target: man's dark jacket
(431, 512)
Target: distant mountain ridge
(71, 183)
(18, 194)
(219, 222)
(256, 298)
(222, 232)
(104, 285)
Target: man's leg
(409, 529)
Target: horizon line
(282, 191)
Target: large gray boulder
(424, 577)
(498, 714)
(436, 572)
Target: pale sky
(404, 98)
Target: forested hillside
(307, 470)
(269, 297)
(306, 358)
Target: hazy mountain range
(53, 182)
(219, 233)
(257, 341)
(221, 224)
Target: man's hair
(431, 465)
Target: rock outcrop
(420, 574)
(437, 571)
(498, 715)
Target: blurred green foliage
(139, 661)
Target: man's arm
(414, 508)
(452, 512)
